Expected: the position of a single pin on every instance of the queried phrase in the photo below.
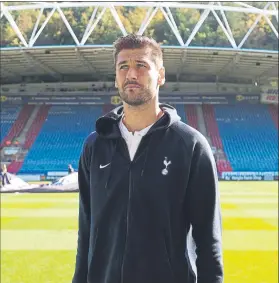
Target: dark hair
(134, 41)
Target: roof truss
(153, 7)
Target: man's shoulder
(90, 139)
(188, 134)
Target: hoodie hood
(107, 125)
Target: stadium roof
(55, 64)
(184, 62)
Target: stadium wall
(109, 87)
(85, 99)
(225, 176)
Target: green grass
(38, 205)
(39, 234)
(37, 266)
(36, 223)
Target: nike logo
(104, 166)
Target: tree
(107, 30)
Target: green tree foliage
(107, 30)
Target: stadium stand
(212, 127)
(8, 116)
(181, 112)
(36, 126)
(239, 135)
(60, 140)
(222, 162)
(13, 120)
(15, 166)
(249, 137)
(191, 115)
(273, 109)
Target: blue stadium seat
(249, 137)
(8, 116)
(61, 138)
(180, 108)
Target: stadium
(57, 79)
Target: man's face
(137, 76)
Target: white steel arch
(268, 10)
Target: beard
(136, 96)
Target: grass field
(39, 232)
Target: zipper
(128, 210)
(129, 204)
(127, 225)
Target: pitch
(39, 233)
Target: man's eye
(123, 67)
(141, 65)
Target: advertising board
(87, 99)
(249, 176)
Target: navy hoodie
(155, 219)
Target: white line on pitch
(47, 212)
(250, 213)
(39, 200)
(248, 200)
(249, 194)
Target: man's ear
(161, 78)
(115, 84)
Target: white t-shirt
(132, 140)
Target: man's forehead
(134, 54)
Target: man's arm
(205, 214)
(81, 268)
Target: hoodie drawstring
(110, 166)
(145, 159)
(144, 163)
(146, 155)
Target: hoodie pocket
(179, 268)
(168, 258)
(92, 249)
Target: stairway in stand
(223, 164)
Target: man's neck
(139, 117)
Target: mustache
(131, 83)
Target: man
(148, 186)
(5, 179)
(70, 169)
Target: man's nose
(132, 74)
